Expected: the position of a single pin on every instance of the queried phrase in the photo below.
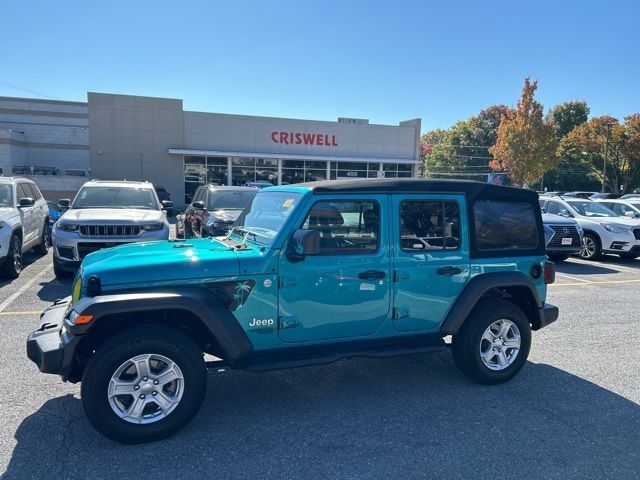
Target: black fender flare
(479, 286)
(205, 305)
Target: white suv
(106, 214)
(629, 207)
(604, 231)
(24, 223)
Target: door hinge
(288, 322)
(397, 276)
(288, 282)
(400, 313)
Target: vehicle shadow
(410, 417)
(55, 289)
(575, 268)
(28, 258)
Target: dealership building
(62, 144)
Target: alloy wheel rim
(145, 388)
(588, 247)
(17, 255)
(500, 344)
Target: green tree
(526, 144)
(567, 116)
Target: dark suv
(309, 274)
(214, 209)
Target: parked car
(629, 196)
(629, 207)
(259, 184)
(604, 231)
(563, 236)
(106, 214)
(164, 196)
(579, 194)
(310, 274)
(24, 223)
(597, 196)
(214, 209)
(55, 212)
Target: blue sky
(387, 61)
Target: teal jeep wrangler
(309, 274)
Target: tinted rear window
(505, 226)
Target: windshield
(6, 199)
(116, 197)
(588, 208)
(266, 215)
(230, 199)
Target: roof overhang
(287, 156)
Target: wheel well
(595, 234)
(108, 325)
(18, 230)
(520, 296)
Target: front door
(344, 291)
(431, 258)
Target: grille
(561, 232)
(109, 230)
(636, 233)
(86, 248)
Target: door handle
(448, 271)
(372, 275)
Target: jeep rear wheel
(144, 384)
(493, 343)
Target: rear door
(26, 214)
(431, 252)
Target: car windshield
(6, 199)
(588, 208)
(265, 216)
(230, 199)
(116, 197)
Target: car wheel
(493, 344)
(13, 262)
(590, 249)
(45, 241)
(557, 258)
(144, 384)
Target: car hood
(7, 211)
(550, 218)
(161, 263)
(111, 215)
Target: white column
(229, 177)
(328, 170)
(279, 171)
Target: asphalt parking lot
(573, 412)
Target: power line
(35, 92)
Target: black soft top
(469, 188)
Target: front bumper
(50, 346)
(548, 314)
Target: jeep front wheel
(144, 384)
(493, 343)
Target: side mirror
(198, 205)
(167, 203)
(543, 210)
(26, 202)
(64, 203)
(631, 214)
(303, 243)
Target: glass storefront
(200, 170)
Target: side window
(617, 208)
(198, 197)
(429, 225)
(558, 209)
(346, 227)
(505, 225)
(36, 195)
(22, 191)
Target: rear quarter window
(505, 226)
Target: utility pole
(606, 156)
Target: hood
(551, 219)
(111, 215)
(7, 211)
(224, 215)
(161, 262)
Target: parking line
(585, 283)
(22, 289)
(564, 275)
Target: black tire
(45, 241)
(556, 257)
(59, 272)
(150, 339)
(591, 248)
(12, 265)
(466, 345)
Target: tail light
(549, 272)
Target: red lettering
(291, 138)
(319, 139)
(274, 137)
(333, 141)
(298, 138)
(309, 138)
(283, 138)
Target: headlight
(614, 228)
(548, 234)
(153, 227)
(77, 290)
(67, 227)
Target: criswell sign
(301, 138)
